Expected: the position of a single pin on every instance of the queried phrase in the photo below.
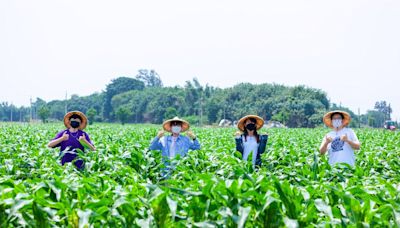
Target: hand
(190, 134)
(238, 134)
(82, 138)
(160, 134)
(65, 136)
(344, 138)
(328, 139)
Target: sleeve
(263, 143)
(353, 136)
(323, 140)
(239, 144)
(88, 138)
(156, 144)
(58, 135)
(194, 144)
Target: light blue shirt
(182, 145)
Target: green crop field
(121, 185)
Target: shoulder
(263, 136)
(350, 130)
(331, 133)
(184, 137)
(62, 132)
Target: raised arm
(324, 145)
(156, 142)
(58, 139)
(352, 140)
(85, 141)
(195, 144)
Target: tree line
(144, 99)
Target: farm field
(121, 185)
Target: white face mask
(337, 123)
(176, 129)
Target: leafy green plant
(121, 185)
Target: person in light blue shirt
(175, 144)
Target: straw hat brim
(328, 121)
(242, 121)
(83, 117)
(167, 124)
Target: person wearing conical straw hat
(175, 144)
(341, 141)
(72, 138)
(248, 141)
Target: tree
(118, 86)
(150, 78)
(170, 113)
(91, 114)
(44, 113)
(384, 108)
(123, 114)
(375, 118)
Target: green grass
(121, 184)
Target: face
(176, 123)
(75, 122)
(176, 127)
(75, 119)
(250, 125)
(337, 121)
(336, 117)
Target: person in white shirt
(341, 141)
(250, 142)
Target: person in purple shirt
(72, 138)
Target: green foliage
(118, 86)
(150, 78)
(44, 113)
(123, 114)
(383, 107)
(170, 113)
(121, 185)
(91, 114)
(149, 102)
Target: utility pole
(201, 111)
(359, 118)
(11, 115)
(224, 111)
(31, 111)
(66, 97)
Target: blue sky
(350, 49)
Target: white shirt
(249, 146)
(172, 148)
(339, 151)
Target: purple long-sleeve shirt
(70, 146)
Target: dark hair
(253, 120)
(75, 116)
(172, 123)
(339, 113)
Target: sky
(350, 49)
